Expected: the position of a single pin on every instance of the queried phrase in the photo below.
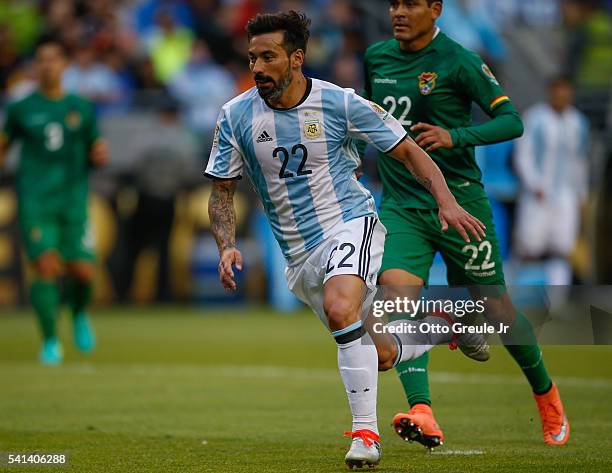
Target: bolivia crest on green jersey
(427, 82)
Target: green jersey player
(429, 82)
(59, 144)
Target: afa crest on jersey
(312, 128)
(427, 82)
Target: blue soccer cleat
(84, 335)
(51, 352)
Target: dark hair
(293, 24)
(560, 80)
(429, 2)
(52, 41)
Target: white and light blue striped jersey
(552, 154)
(302, 160)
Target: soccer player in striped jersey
(429, 82)
(295, 138)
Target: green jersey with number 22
(435, 85)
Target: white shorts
(356, 248)
(549, 226)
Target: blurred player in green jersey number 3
(60, 142)
(428, 82)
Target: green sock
(528, 356)
(78, 295)
(415, 379)
(44, 296)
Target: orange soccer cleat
(419, 425)
(555, 426)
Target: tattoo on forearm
(426, 182)
(222, 214)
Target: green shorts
(414, 236)
(71, 239)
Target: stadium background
(160, 70)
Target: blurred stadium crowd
(159, 71)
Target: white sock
(559, 272)
(416, 344)
(358, 364)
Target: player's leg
(405, 267)
(79, 290)
(531, 227)
(40, 240)
(348, 288)
(521, 343)
(357, 357)
(562, 236)
(76, 247)
(480, 266)
(332, 281)
(419, 423)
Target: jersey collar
(302, 100)
(433, 45)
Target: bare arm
(222, 214)
(428, 174)
(99, 153)
(424, 170)
(223, 225)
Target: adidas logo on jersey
(264, 137)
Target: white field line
(277, 372)
(457, 452)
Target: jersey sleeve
(370, 122)
(225, 161)
(10, 130)
(478, 81)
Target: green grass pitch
(185, 390)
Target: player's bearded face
(272, 89)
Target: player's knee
(48, 266)
(83, 272)
(400, 284)
(340, 312)
(386, 358)
(500, 309)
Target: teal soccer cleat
(84, 335)
(51, 352)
